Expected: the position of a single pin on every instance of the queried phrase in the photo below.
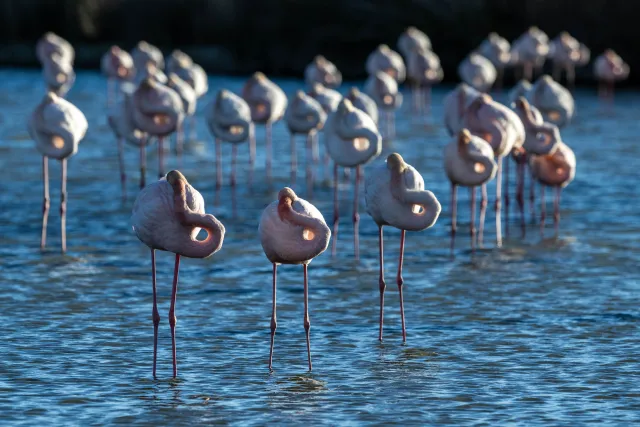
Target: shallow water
(542, 331)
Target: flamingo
(322, 71)
(292, 231)
(189, 100)
(388, 61)
(383, 89)
(497, 50)
(566, 53)
(469, 162)
(478, 72)
(117, 65)
(609, 68)
(504, 131)
(121, 122)
(144, 53)
(305, 116)
(157, 110)
(229, 119)
(412, 39)
(522, 88)
(168, 215)
(363, 102)
(529, 50)
(554, 170)
(395, 196)
(58, 75)
(541, 139)
(352, 140)
(56, 126)
(554, 101)
(268, 104)
(423, 70)
(50, 44)
(456, 104)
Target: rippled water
(542, 331)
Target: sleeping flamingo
(541, 139)
(413, 40)
(609, 68)
(304, 116)
(57, 127)
(424, 71)
(117, 65)
(50, 44)
(566, 53)
(383, 89)
(189, 100)
(504, 131)
(58, 75)
(497, 50)
(478, 72)
(292, 231)
(268, 104)
(395, 196)
(554, 101)
(456, 104)
(144, 53)
(229, 119)
(352, 140)
(157, 110)
(322, 71)
(168, 215)
(388, 61)
(468, 162)
(363, 102)
(529, 51)
(554, 170)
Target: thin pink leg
(336, 211)
(382, 285)
(400, 282)
(155, 314)
(269, 149)
(484, 201)
(499, 203)
(356, 215)
(506, 196)
(307, 322)
(454, 205)
(218, 164)
(143, 162)
(46, 202)
(294, 160)
(252, 151)
(309, 166)
(472, 226)
(160, 157)
(556, 210)
(543, 210)
(123, 174)
(274, 322)
(172, 315)
(63, 205)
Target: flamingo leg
(472, 226)
(46, 202)
(356, 215)
(506, 197)
(483, 212)
(123, 174)
(218, 164)
(543, 210)
(336, 211)
(269, 149)
(172, 314)
(454, 206)
(309, 165)
(294, 160)
(307, 322)
(532, 197)
(160, 157)
(400, 282)
(252, 151)
(556, 210)
(63, 205)
(499, 203)
(274, 322)
(382, 285)
(155, 314)
(143, 162)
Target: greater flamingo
(383, 89)
(395, 196)
(497, 50)
(292, 231)
(478, 72)
(609, 68)
(352, 139)
(456, 104)
(566, 53)
(58, 74)
(388, 61)
(157, 110)
(412, 39)
(50, 44)
(117, 65)
(168, 215)
(229, 119)
(189, 102)
(322, 71)
(530, 50)
(268, 104)
(424, 71)
(57, 127)
(503, 130)
(554, 101)
(305, 116)
(468, 162)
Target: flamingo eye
(479, 168)
(57, 142)
(308, 234)
(418, 209)
(361, 144)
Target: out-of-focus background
(280, 37)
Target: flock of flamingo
(150, 100)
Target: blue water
(541, 331)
